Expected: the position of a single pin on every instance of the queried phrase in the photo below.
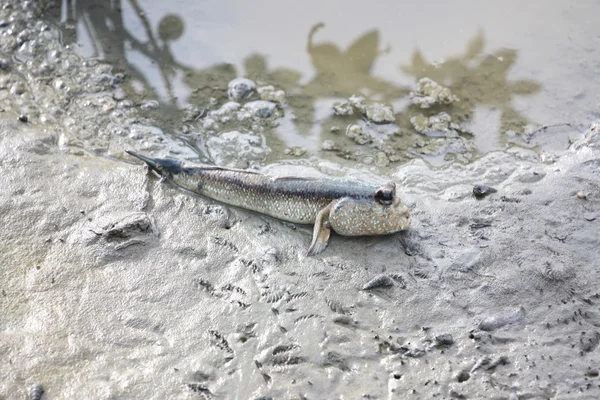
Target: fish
(348, 207)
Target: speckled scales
(295, 200)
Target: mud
(115, 285)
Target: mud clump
(429, 93)
(441, 122)
(375, 112)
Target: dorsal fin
(216, 168)
(293, 178)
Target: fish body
(350, 208)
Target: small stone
(420, 123)
(358, 103)
(36, 391)
(270, 94)
(295, 151)
(440, 122)
(381, 159)
(209, 124)
(481, 191)
(343, 109)
(380, 113)
(429, 93)
(581, 195)
(500, 320)
(23, 118)
(4, 65)
(261, 108)
(149, 105)
(380, 281)
(356, 133)
(240, 89)
(354, 130)
(445, 339)
(119, 94)
(329, 145)
(335, 129)
(227, 110)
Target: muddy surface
(115, 285)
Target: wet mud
(117, 285)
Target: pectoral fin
(321, 232)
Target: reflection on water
(145, 53)
(478, 78)
(100, 26)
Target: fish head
(164, 167)
(380, 214)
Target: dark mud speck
(481, 191)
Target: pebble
(380, 113)
(23, 118)
(295, 151)
(381, 159)
(119, 94)
(261, 108)
(149, 105)
(328, 145)
(379, 281)
(483, 190)
(227, 110)
(270, 94)
(343, 109)
(501, 320)
(36, 391)
(429, 93)
(581, 195)
(445, 339)
(356, 133)
(440, 122)
(240, 89)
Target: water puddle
(458, 81)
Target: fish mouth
(151, 162)
(162, 166)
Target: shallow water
(515, 67)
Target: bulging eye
(384, 196)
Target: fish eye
(384, 196)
